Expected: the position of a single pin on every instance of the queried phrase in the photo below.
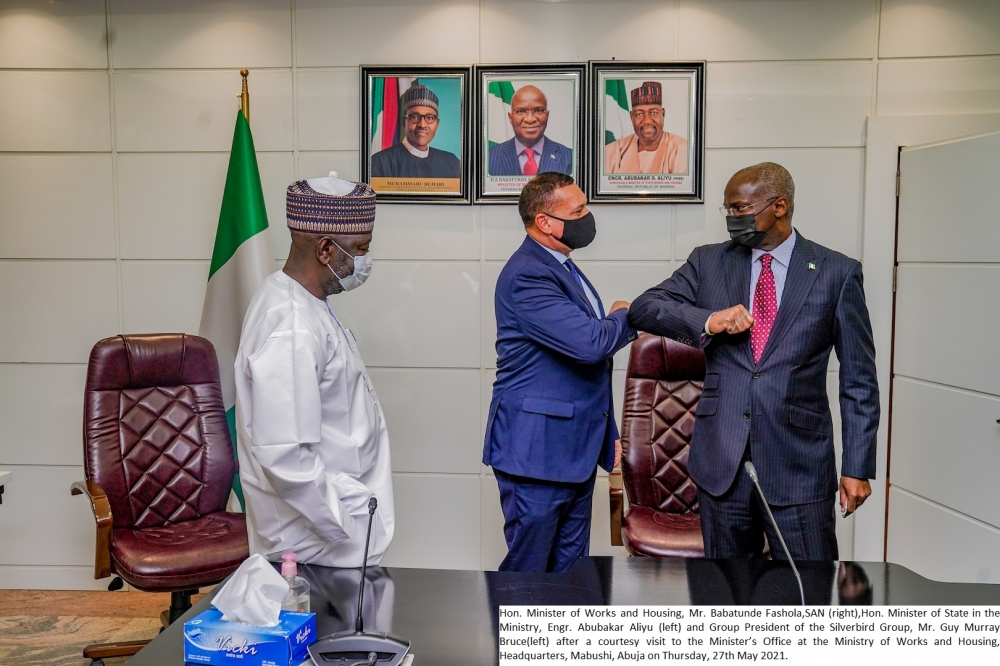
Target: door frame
(884, 136)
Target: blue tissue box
(208, 639)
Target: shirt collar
(782, 254)
(415, 151)
(560, 257)
(538, 147)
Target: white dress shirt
(311, 436)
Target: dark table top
(450, 617)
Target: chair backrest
(155, 436)
(662, 387)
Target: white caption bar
(813, 635)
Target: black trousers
(734, 524)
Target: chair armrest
(617, 505)
(102, 515)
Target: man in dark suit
(529, 152)
(767, 308)
(551, 419)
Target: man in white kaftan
(312, 441)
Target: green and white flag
(617, 122)
(498, 96)
(242, 258)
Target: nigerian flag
(617, 122)
(498, 96)
(242, 258)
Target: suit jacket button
(746, 415)
(605, 415)
(756, 374)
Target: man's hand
(734, 320)
(618, 453)
(618, 305)
(853, 493)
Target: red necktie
(765, 308)
(530, 167)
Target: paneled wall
(113, 157)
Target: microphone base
(349, 647)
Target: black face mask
(579, 232)
(743, 229)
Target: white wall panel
(933, 458)
(623, 232)
(939, 543)
(74, 220)
(425, 232)
(807, 104)
(40, 496)
(320, 164)
(935, 299)
(962, 172)
(776, 29)
(939, 28)
(54, 311)
(490, 273)
(437, 522)
(54, 111)
(23, 577)
(930, 87)
(355, 32)
(828, 201)
(543, 31)
(432, 417)
(41, 409)
(68, 34)
(416, 314)
(163, 111)
(277, 172)
(201, 33)
(329, 109)
(163, 296)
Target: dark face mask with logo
(743, 228)
(577, 233)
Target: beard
(332, 285)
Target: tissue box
(208, 639)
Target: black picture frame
(393, 180)
(497, 170)
(615, 174)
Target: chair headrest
(653, 357)
(143, 361)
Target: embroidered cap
(318, 213)
(650, 92)
(419, 95)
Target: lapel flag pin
(812, 266)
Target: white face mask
(362, 269)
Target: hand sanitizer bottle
(297, 598)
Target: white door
(944, 447)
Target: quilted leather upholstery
(662, 388)
(157, 442)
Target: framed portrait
(415, 133)
(647, 138)
(530, 120)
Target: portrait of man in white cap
(414, 157)
(311, 437)
(649, 149)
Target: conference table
(451, 617)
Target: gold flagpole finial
(245, 95)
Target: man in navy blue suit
(529, 152)
(768, 307)
(551, 420)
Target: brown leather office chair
(159, 466)
(662, 386)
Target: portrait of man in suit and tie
(529, 152)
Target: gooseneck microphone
(358, 647)
(752, 472)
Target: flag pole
(245, 95)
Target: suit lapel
(798, 281)
(533, 248)
(738, 283)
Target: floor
(52, 627)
